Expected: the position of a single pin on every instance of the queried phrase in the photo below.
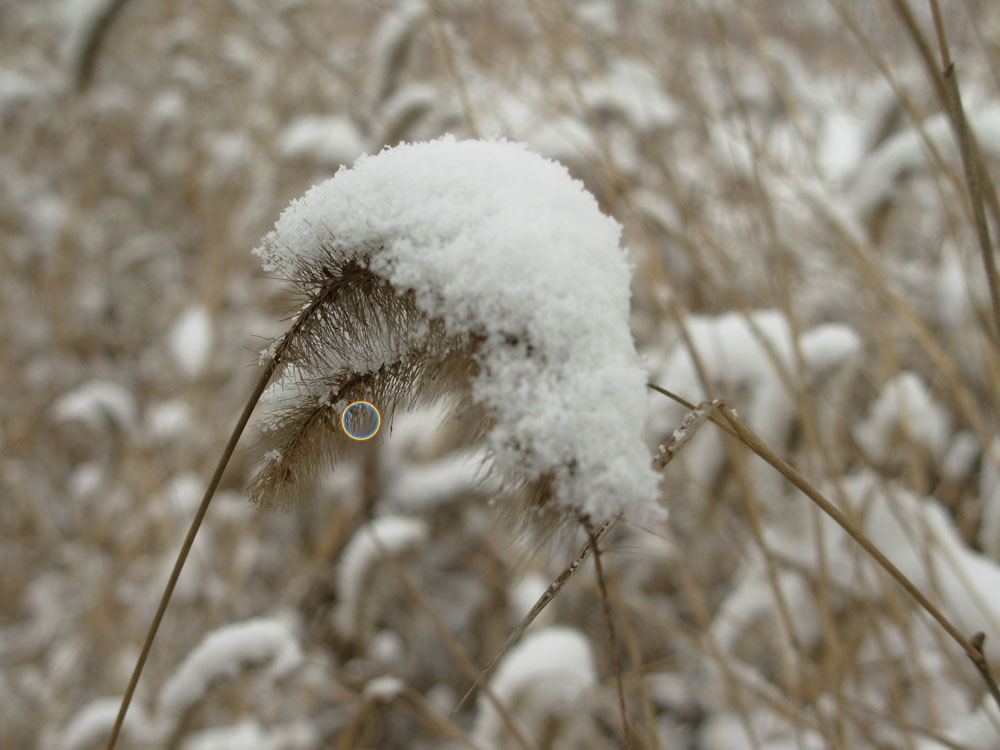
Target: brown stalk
(726, 418)
(609, 621)
(281, 351)
(449, 641)
(182, 555)
(547, 596)
(946, 85)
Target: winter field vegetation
(789, 223)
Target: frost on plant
(479, 269)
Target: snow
(905, 404)
(329, 140)
(403, 110)
(828, 345)
(630, 88)
(501, 243)
(80, 19)
(92, 724)
(920, 538)
(423, 486)
(15, 89)
(385, 687)
(389, 47)
(397, 534)
(975, 731)
(224, 652)
(741, 354)
(191, 340)
(249, 734)
(95, 403)
(168, 420)
(876, 178)
(548, 674)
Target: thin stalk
(726, 418)
(182, 555)
(280, 350)
(612, 637)
(547, 596)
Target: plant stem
(734, 426)
(182, 555)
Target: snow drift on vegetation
(224, 652)
(545, 678)
(498, 243)
(358, 560)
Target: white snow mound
(496, 240)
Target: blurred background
(804, 243)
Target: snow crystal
(497, 241)
(191, 340)
(223, 652)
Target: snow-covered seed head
(475, 269)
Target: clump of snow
(251, 735)
(329, 140)
(167, 420)
(81, 19)
(224, 653)
(745, 356)
(390, 47)
(975, 731)
(500, 243)
(191, 340)
(396, 534)
(183, 493)
(423, 486)
(959, 462)
(828, 345)
(92, 724)
(907, 151)
(403, 110)
(920, 538)
(385, 687)
(95, 403)
(629, 88)
(905, 405)
(523, 595)
(544, 679)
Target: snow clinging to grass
(224, 652)
(503, 245)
